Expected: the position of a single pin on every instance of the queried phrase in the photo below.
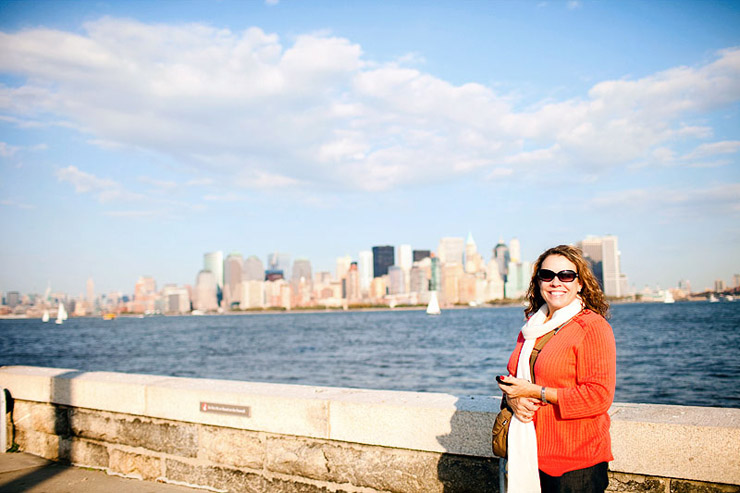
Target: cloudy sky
(136, 136)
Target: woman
(560, 440)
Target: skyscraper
(279, 262)
(473, 260)
(343, 264)
(302, 269)
(405, 260)
(451, 250)
(396, 280)
(214, 262)
(90, 291)
(383, 257)
(603, 254)
(353, 283)
(501, 254)
(365, 268)
(421, 255)
(205, 293)
(515, 251)
(254, 269)
(233, 278)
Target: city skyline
(134, 136)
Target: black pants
(592, 479)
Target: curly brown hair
(591, 293)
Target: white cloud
(7, 150)
(675, 202)
(316, 113)
(16, 204)
(105, 190)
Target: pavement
(20, 472)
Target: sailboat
(45, 316)
(61, 314)
(433, 306)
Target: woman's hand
(524, 407)
(522, 396)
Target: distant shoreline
(334, 310)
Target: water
(685, 353)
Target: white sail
(61, 314)
(433, 306)
(45, 317)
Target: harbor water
(682, 353)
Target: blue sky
(136, 136)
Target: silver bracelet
(543, 397)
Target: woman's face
(556, 293)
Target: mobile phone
(500, 379)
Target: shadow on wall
(60, 391)
(466, 473)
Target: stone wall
(275, 438)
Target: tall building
(502, 256)
(404, 261)
(254, 269)
(435, 278)
(515, 250)
(302, 282)
(279, 262)
(205, 295)
(418, 282)
(421, 255)
(353, 283)
(383, 257)
(603, 254)
(175, 299)
(214, 262)
(473, 260)
(90, 291)
(494, 282)
(365, 268)
(343, 264)
(233, 278)
(302, 269)
(518, 279)
(396, 280)
(451, 250)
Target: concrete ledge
(690, 443)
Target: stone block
(30, 383)
(679, 486)
(135, 465)
(107, 391)
(215, 477)
(44, 445)
(297, 457)
(152, 434)
(633, 482)
(462, 473)
(231, 447)
(692, 443)
(88, 454)
(384, 468)
(43, 417)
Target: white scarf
(524, 476)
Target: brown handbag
(500, 431)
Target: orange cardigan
(580, 361)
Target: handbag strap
(541, 343)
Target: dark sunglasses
(546, 275)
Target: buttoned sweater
(580, 361)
